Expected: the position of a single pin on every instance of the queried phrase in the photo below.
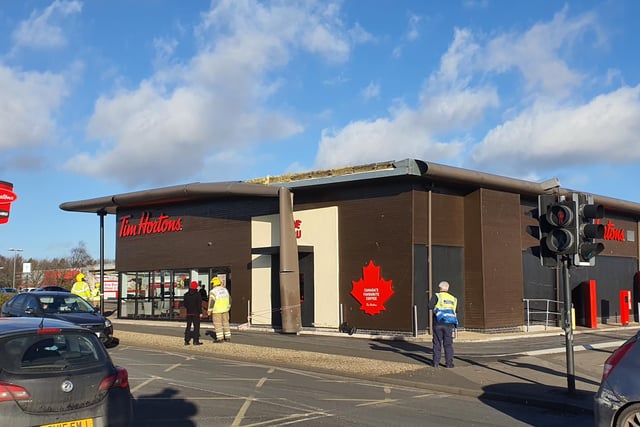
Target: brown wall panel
(474, 311)
(381, 233)
(375, 223)
(448, 220)
(420, 217)
(502, 259)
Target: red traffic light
(560, 215)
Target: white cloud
(536, 54)
(360, 36)
(43, 30)
(550, 126)
(413, 32)
(215, 102)
(165, 47)
(544, 137)
(28, 103)
(447, 106)
(372, 90)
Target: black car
(63, 306)
(55, 373)
(52, 288)
(617, 402)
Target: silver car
(617, 402)
(55, 373)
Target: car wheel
(630, 416)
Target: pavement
(528, 368)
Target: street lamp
(15, 255)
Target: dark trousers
(443, 337)
(192, 319)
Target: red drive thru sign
(7, 196)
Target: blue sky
(106, 97)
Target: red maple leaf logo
(372, 291)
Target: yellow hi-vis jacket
(446, 307)
(82, 289)
(219, 300)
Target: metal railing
(542, 311)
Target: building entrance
(306, 270)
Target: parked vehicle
(52, 288)
(8, 291)
(617, 402)
(55, 373)
(62, 306)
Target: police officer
(81, 287)
(444, 306)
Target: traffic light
(558, 233)
(547, 257)
(586, 247)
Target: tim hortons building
(362, 247)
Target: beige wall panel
(319, 229)
(261, 290)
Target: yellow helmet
(216, 281)
(79, 277)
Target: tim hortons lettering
(162, 224)
(611, 232)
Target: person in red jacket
(193, 305)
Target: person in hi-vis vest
(81, 287)
(219, 306)
(445, 321)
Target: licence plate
(86, 422)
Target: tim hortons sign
(7, 196)
(148, 225)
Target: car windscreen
(52, 351)
(60, 304)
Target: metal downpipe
(289, 269)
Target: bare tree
(38, 268)
(6, 271)
(56, 271)
(80, 257)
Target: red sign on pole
(372, 291)
(7, 196)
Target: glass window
(19, 302)
(32, 304)
(59, 351)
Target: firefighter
(219, 306)
(81, 287)
(95, 295)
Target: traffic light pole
(567, 235)
(568, 329)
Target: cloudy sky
(104, 97)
